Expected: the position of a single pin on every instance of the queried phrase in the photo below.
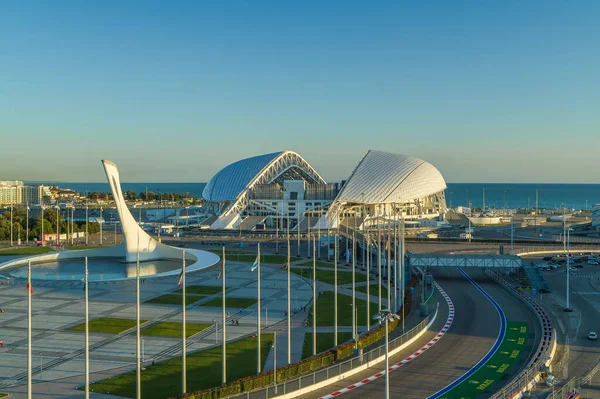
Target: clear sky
(487, 91)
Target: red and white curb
(408, 359)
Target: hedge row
(305, 366)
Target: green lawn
(319, 264)
(324, 342)
(325, 310)
(201, 289)
(499, 367)
(374, 289)
(163, 380)
(2, 395)
(230, 251)
(26, 251)
(78, 247)
(108, 325)
(173, 329)
(327, 276)
(264, 259)
(241, 303)
(175, 299)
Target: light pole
(385, 316)
(216, 330)
(274, 346)
(42, 208)
(57, 226)
(266, 316)
(27, 224)
(277, 228)
(100, 222)
(86, 217)
(11, 224)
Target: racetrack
(470, 338)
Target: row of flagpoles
(397, 234)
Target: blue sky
(173, 91)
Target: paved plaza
(57, 306)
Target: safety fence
(574, 386)
(545, 351)
(340, 369)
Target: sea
(497, 195)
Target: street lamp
(274, 346)
(386, 316)
(57, 226)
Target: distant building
(596, 217)
(15, 192)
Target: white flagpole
(389, 264)
(335, 287)
(183, 337)
(137, 310)
(379, 257)
(402, 271)
(289, 299)
(368, 283)
(258, 362)
(354, 321)
(395, 283)
(224, 351)
(29, 374)
(314, 299)
(87, 332)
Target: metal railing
(333, 370)
(536, 365)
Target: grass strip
(324, 342)
(78, 247)
(163, 379)
(500, 367)
(175, 299)
(325, 310)
(173, 329)
(108, 325)
(201, 289)
(241, 303)
(374, 290)
(328, 276)
(319, 264)
(26, 251)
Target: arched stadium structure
(259, 190)
(281, 189)
(388, 186)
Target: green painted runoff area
(201, 289)
(325, 310)
(324, 342)
(173, 329)
(163, 380)
(241, 303)
(328, 276)
(108, 325)
(513, 348)
(175, 299)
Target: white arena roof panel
(383, 177)
(233, 179)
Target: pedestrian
(1, 344)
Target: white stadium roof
(383, 177)
(233, 179)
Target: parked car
(547, 258)
(592, 262)
(593, 336)
(578, 266)
(554, 266)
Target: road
(471, 336)
(585, 302)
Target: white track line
(408, 359)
